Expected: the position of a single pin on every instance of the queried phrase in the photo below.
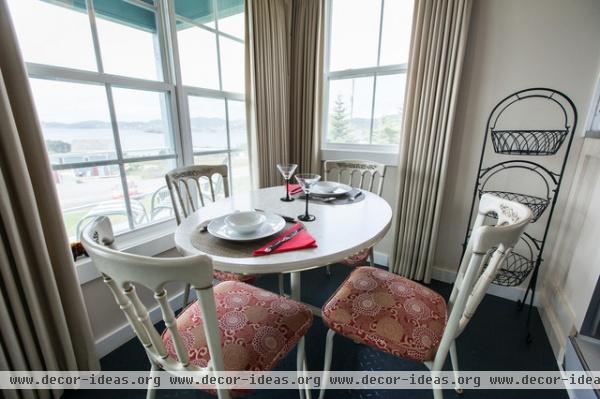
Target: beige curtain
(268, 24)
(44, 322)
(306, 79)
(284, 48)
(436, 56)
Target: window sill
(149, 241)
(385, 157)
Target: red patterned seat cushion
(229, 276)
(389, 312)
(358, 259)
(258, 328)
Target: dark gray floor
(494, 340)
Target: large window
(120, 104)
(367, 55)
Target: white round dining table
(339, 230)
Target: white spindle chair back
(366, 175)
(185, 186)
(488, 247)
(122, 271)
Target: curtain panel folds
(45, 324)
(437, 49)
(306, 84)
(284, 46)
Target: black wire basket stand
(526, 151)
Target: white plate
(340, 189)
(272, 225)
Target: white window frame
(375, 152)
(178, 111)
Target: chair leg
(371, 257)
(327, 363)
(151, 393)
(186, 295)
(454, 359)
(437, 389)
(328, 270)
(437, 365)
(300, 363)
(280, 283)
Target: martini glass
(287, 170)
(306, 181)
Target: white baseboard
(122, 334)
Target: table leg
(301, 357)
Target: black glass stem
(287, 197)
(307, 217)
(306, 208)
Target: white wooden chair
(192, 187)
(197, 330)
(370, 306)
(366, 175)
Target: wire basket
(537, 204)
(528, 142)
(515, 270)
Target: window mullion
(170, 76)
(95, 39)
(375, 75)
(115, 127)
(228, 146)
(326, 77)
(380, 33)
(180, 100)
(112, 113)
(218, 41)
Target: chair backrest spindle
(364, 172)
(187, 199)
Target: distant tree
(387, 130)
(58, 146)
(339, 130)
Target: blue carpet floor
(494, 340)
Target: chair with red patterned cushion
(231, 327)
(366, 175)
(191, 187)
(407, 319)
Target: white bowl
(245, 222)
(327, 186)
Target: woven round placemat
(215, 246)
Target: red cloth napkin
(301, 240)
(294, 189)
